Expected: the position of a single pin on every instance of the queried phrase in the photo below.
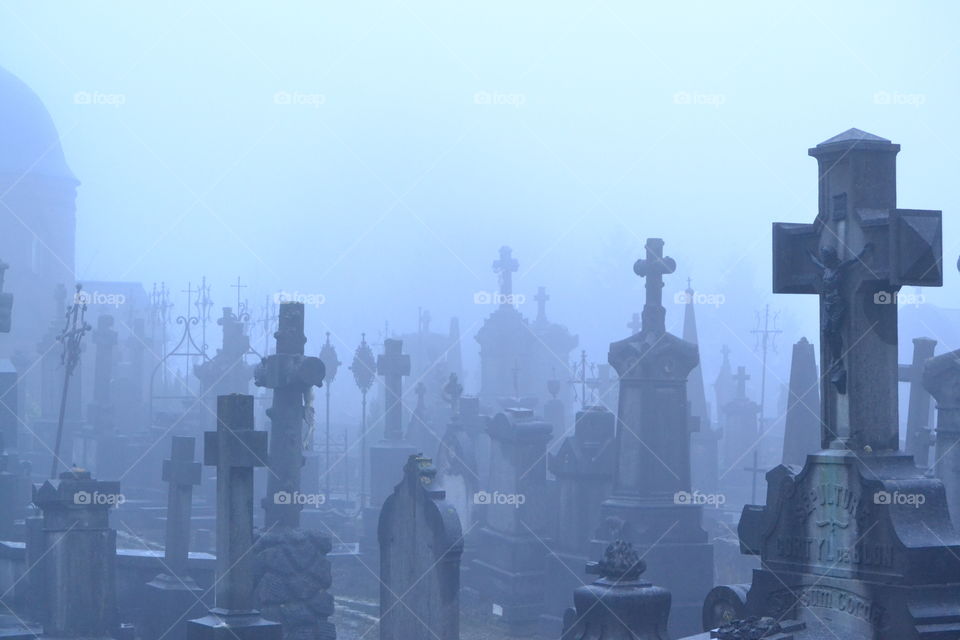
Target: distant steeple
(695, 389)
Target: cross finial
(653, 267)
(505, 267)
(741, 380)
(541, 299)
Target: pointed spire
(695, 389)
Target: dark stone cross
(505, 267)
(174, 591)
(653, 267)
(234, 449)
(541, 299)
(393, 365)
(856, 255)
(290, 374)
(741, 379)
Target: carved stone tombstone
(858, 544)
(420, 547)
(509, 567)
(651, 505)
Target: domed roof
(29, 142)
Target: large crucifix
(856, 255)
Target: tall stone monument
(858, 544)
(420, 547)
(651, 504)
(802, 426)
(291, 570)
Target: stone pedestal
(583, 467)
(77, 556)
(941, 378)
(512, 543)
(857, 546)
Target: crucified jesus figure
(832, 270)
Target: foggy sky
(378, 154)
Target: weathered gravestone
(174, 595)
(292, 572)
(651, 505)
(234, 449)
(509, 569)
(618, 606)
(227, 372)
(919, 430)
(420, 547)
(802, 427)
(76, 555)
(583, 467)
(858, 544)
(941, 378)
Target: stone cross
(653, 267)
(393, 364)
(290, 374)
(234, 449)
(635, 325)
(174, 595)
(505, 267)
(541, 299)
(856, 255)
(919, 432)
(181, 473)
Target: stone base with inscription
(855, 546)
